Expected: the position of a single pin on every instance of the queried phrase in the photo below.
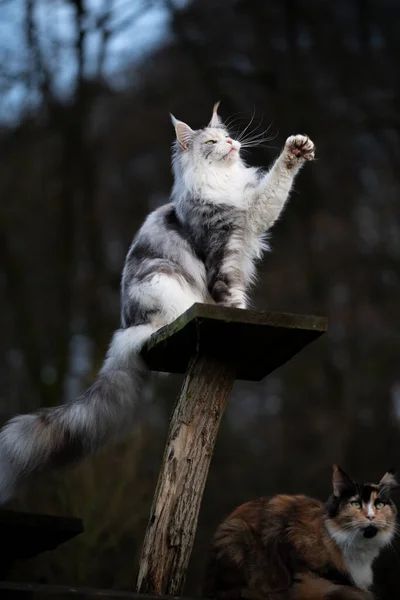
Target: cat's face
(213, 144)
(361, 511)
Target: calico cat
(201, 247)
(296, 548)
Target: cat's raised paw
(300, 146)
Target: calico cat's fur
(296, 548)
(199, 248)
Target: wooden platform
(10, 590)
(23, 535)
(254, 343)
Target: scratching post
(213, 346)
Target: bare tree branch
(40, 68)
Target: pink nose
(229, 141)
(371, 517)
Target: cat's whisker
(253, 133)
(347, 527)
(258, 126)
(267, 137)
(247, 126)
(257, 138)
(230, 120)
(255, 143)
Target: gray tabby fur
(201, 247)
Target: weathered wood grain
(191, 438)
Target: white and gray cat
(201, 247)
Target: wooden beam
(23, 535)
(214, 346)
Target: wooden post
(214, 346)
(191, 438)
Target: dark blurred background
(85, 92)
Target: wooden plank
(36, 591)
(23, 535)
(29, 534)
(173, 518)
(254, 343)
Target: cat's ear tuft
(215, 119)
(174, 121)
(389, 479)
(340, 481)
(184, 133)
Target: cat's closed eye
(356, 504)
(211, 142)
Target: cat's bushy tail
(57, 436)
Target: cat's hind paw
(300, 147)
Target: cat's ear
(389, 479)
(215, 119)
(184, 133)
(340, 481)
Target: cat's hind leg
(157, 301)
(174, 296)
(162, 299)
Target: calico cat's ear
(389, 479)
(340, 481)
(215, 120)
(184, 133)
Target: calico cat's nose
(229, 141)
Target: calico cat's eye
(379, 504)
(211, 142)
(356, 504)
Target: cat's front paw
(300, 147)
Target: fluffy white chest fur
(218, 184)
(360, 553)
(360, 569)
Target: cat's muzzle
(370, 531)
